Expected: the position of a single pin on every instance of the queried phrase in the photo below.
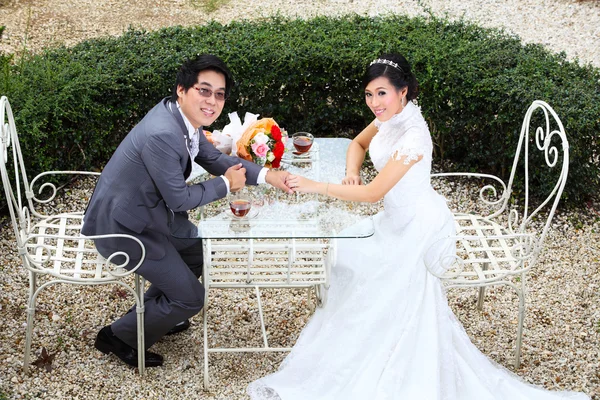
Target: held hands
(236, 175)
(279, 179)
(301, 184)
(352, 180)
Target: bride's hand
(351, 180)
(301, 184)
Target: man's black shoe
(180, 327)
(107, 342)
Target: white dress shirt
(193, 149)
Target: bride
(387, 331)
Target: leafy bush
(74, 105)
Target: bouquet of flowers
(263, 142)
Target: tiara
(386, 62)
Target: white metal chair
(500, 241)
(52, 246)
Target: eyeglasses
(204, 92)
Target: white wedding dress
(387, 331)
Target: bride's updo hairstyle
(394, 67)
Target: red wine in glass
(302, 143)
(240, 207)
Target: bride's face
(384, 99)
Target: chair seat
(486, 252)
(55, 246)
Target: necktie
(194, 143)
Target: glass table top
(275, 214)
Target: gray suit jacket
(143, 190)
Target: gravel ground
(561, 25)
(561, 346)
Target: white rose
(270, 156)
(261, 138)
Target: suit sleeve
(163, 163)
(216, 163)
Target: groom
(142, 192)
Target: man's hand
(236, 175)
(278, 179)
(352, 180)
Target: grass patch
(209, 6)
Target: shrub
(74, 105)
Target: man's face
(200, 110)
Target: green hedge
(74, 105)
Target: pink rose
(260, 149)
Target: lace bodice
(405, 134)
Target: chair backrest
(548, 160)
(12, 165)
(51, 245)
